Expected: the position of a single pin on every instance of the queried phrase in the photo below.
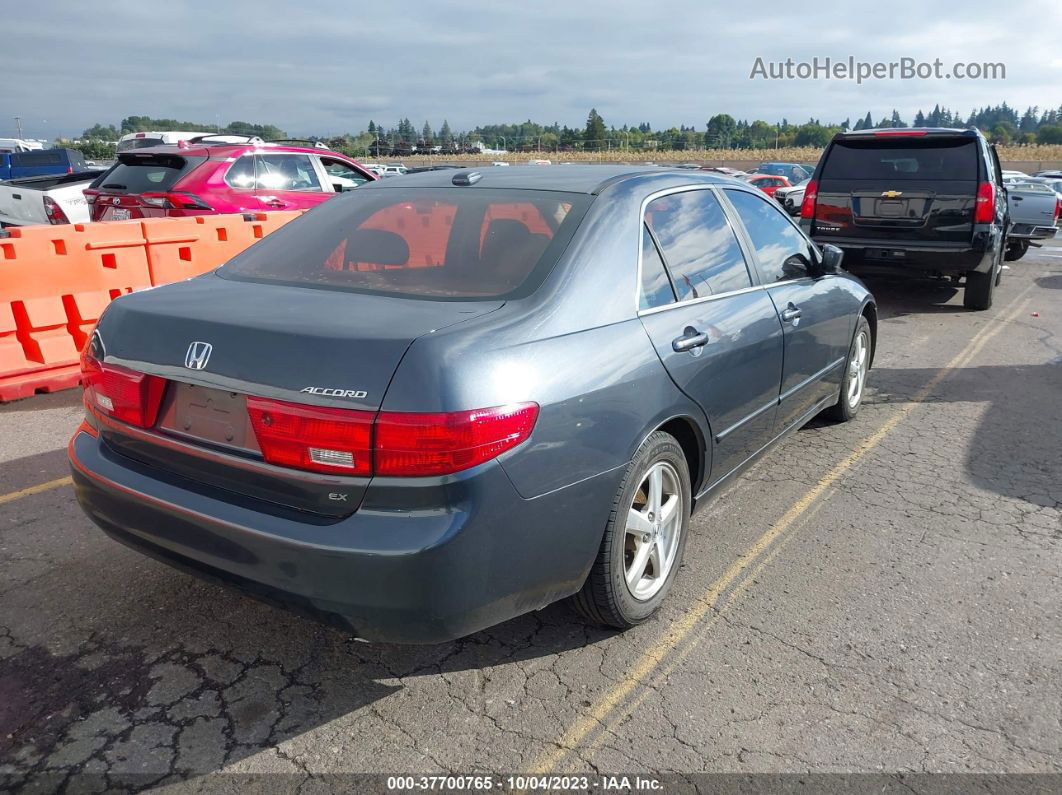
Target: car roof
(224, 150)
(570, 179)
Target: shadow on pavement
(114, 666)
(1014, 451)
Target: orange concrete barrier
(55, 282)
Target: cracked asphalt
(905, 615)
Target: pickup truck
(1034, 212)
(55, 199)
(40, 163)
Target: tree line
(1000, 123)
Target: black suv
(925, 200)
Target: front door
(815, 313)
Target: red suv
(211, 174)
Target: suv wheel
(644, 540)
(979, 289)
(1016, 250)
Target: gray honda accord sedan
(440, 401)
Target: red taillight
(1058, 208)
(985, 211)
(811, 194)
(438, 444)
(174, 201)
(123, 394)
(54, 212)
(337, 441)
(91, 194)
(899, 133)
(348, 442)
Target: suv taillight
(811, 195)
(174, 201)
(54, 212)
(1058, 208)
(123, 394)
(985, 211)
(350, 442)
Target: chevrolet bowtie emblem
(891, 194)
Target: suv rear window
(921, 158)
(138, 143)
(146, 173)
(436, 243)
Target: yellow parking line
(676, 659)
(681, 628)
(26, 492)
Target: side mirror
(831, 259)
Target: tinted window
(286, 172)
(700, 248)
(438, 243)
(138, 143)
(133, 174)
(241, 173)
(656, 286)
(920, 159)
(777, 242)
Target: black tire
(844, 409)
(979, 290)
(605, 597)
(1015, 250)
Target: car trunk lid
(216, 342)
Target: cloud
(319, 69)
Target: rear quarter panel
(600, 391)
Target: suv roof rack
(312, 141)
(226, 138)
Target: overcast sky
(328, 67)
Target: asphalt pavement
(882, 596)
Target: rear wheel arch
(691, 439)
(870, 312)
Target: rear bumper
(408, 576)
(1031, 232)
(922, 257)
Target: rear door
(815, 313)
(899, 188)
(716, 333)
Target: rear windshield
(45, 157)
(136, 174)
(138, 143)
(437, 243)
(889, 160)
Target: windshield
(436, 243)
(138, 143)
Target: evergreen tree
(594, 136)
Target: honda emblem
(198, 355)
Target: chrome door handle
(790, 313)
(690, 339)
